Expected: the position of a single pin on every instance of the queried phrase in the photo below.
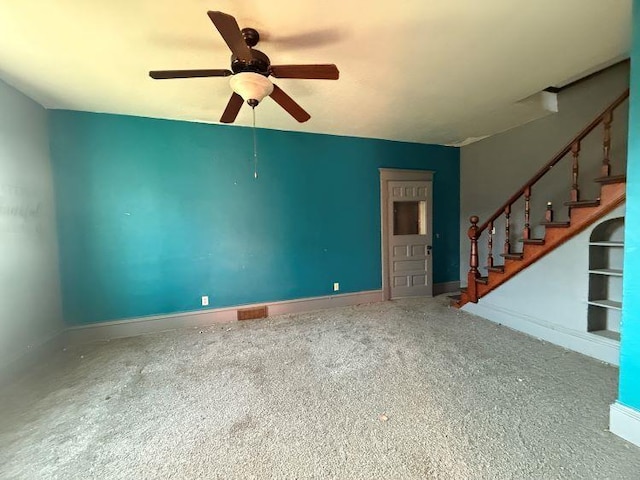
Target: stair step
(482, 280)
(496, 268)
(532, 241)
(611, 179)
(583, 203)
(512, 256)
(463, 289)
(556, 224)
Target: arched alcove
(606, 251)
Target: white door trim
(392, 175)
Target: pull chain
(255, 147)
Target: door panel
(409, 266)
(409, 238)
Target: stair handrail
(558, 156)
(574, 147)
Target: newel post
(472, 286)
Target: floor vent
(253, 313)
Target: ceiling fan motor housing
(251, 36)
(260, 63)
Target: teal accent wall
(152, 214)
(629, 393)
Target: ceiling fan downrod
(255, 143)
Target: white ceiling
(429, 71)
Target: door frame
(397, 175)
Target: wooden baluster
(507, 227)
(526, 233)
(606, 145)
(575, 191)
(472, 286)
(490, 246)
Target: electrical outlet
(336, 286)
(205, 300)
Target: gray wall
(493, 169)
(30, 311)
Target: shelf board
(607, 271)
(607, 334)
(606, 304)
(606, 244)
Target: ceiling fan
(250, 71)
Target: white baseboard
(595, 346)
(625, 422)
(445, 287)
(200, 318)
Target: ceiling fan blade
(231, 34)
(166, 74)
(289, 104)
(233, 107)
(320, 72)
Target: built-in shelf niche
(606, 251)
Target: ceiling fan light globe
(251, 86)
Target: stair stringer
(548, 300)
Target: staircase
(582, 213)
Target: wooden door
(409, 238)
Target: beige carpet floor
(405, 389)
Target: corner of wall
(30, 313)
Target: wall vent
(253, 313)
